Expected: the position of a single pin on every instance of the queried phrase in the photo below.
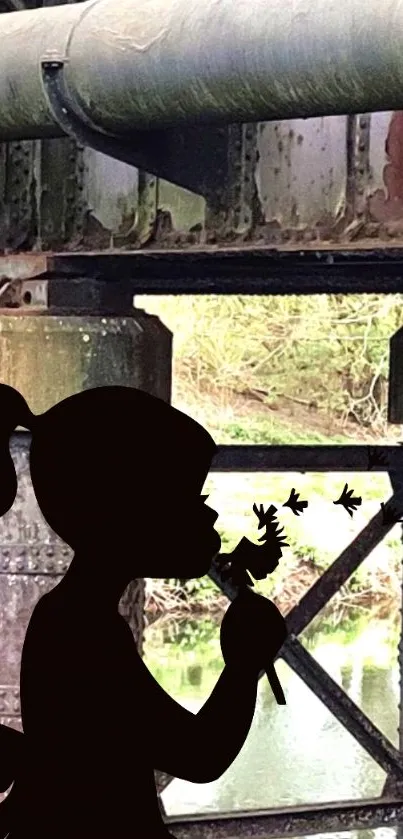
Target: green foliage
(329, 349)
(193, 633)
(267, 431)
(202, 589)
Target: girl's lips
(210, 514)
(216, 542)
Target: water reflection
(294, 754)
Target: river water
(294, 754)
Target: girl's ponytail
(14, 411)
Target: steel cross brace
(318, 596)
(294, 821)
(303, 663)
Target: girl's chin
(189, 565)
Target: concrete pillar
(49, 355)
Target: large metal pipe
(139, 64)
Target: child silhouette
(117, 474)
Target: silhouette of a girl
(117, 474)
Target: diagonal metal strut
(303, 663)
(335, 699)
(342, 568)
(342, 707)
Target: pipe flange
(72, 119)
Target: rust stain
(387, 205)
(23, 266)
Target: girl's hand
(252, 632)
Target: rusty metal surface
(62, 199)
(113, 200)
(332, 180)
(298, 821)
(386, 202)
(336, 179)
(326, 180)
(239, 271)
(302, 175)
(211, 270)
(32, 561)
(23, 266)
(95, 297)
(19, 201)
(42, 194)
(317, 182)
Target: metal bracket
(167, 153)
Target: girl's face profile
(143, 509)
(183, 542)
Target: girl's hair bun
(14, 411)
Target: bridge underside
(99, 282)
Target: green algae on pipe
(140, 64)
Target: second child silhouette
(118, 475)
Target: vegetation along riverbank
(288, 370)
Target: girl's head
(118, 472)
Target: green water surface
(295, 754)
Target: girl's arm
(201, 747)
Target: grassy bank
(286, 371)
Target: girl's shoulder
(54, 614)
(48, 605)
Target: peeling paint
(387, 204)
(302, 171)
(328, 179)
